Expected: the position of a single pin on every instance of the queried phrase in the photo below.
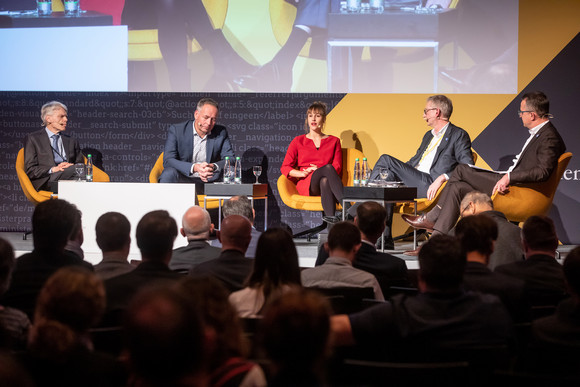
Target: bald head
(235, 233)
(196, 224)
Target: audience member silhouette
(52, 224)
(274, 272)
(344, 241)
(196, 226)
(231, 267)
(113, 232)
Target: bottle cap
(356, 159)
(364, 159)
(237, 158)
(90, 155)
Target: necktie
(55, 149)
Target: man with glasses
(195, 151)
(443, 148)
(535, 163)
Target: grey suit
(196, 252)
(178, 153)
(38, 158)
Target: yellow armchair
(525, 200)
(156, 172)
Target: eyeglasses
(520, 112)
(465, 208)
(426, 110)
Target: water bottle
(356, 181)
(89, 167)
(227, 170)
(364, 176)
(238, 171)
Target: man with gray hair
(508, 246)
(241, 205)
(196, 226)
(49, 153)
(195, 150)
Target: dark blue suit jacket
(454, 149)
(178, 151)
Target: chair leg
(310, 232)
(25, 234)
(409, 235)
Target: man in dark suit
(535, 163)
(441, 150)
(195, 151)
(113, 231)
(49, 154)
(196, 226)
(477, 235)
(231, 267)
(388, 269)
(155, 235)
(52, 224)
(540, 271)
(508, 245)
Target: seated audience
(76, 238)
(113, 232)
(60, 349)
(164, 339)
(14, 324)
(508, 246)
(155, 234)
(274, 272)
(344, 241)
(241, 205)
(230, 267)
(52, 224)
(225, 348)
(294, 333)
(196, 226)
(477, 235)
(542, 274)
(389, 270)
(441, 316)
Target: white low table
(132, 200)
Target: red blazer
(302, 152)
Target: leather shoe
(419, 222)
(412, 253)
(331, 219)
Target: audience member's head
(196, 224)
(163, 338)
(236, 233)
(156, 232)
(441, 264)
(295, 331)
(222, 326)
(276, 262)
(539, 236)
(113, 232)
(443, 103)
(239, 205)
(370, 219)
(344, 240)
(76, 233)
(12, 373)
(571, 269)
(477, 233)
(7, 262)
(52, 224)
(71, 302)
(474, 203)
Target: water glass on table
(257, 169)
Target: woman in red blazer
(314, 162)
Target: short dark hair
(113, 230)
(537, 102)
(155, 234)
(52, 224)
(371, 217)
(343, 236)
(539, 233)
(443, 103)
(571, 269)
(477, 233)
(7, 262)
(442, 263)
(239, 205)
(207, 101)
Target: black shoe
(389, 244)
(331, 219)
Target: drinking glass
(79, 169)
(257, 169)
(384, 173)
